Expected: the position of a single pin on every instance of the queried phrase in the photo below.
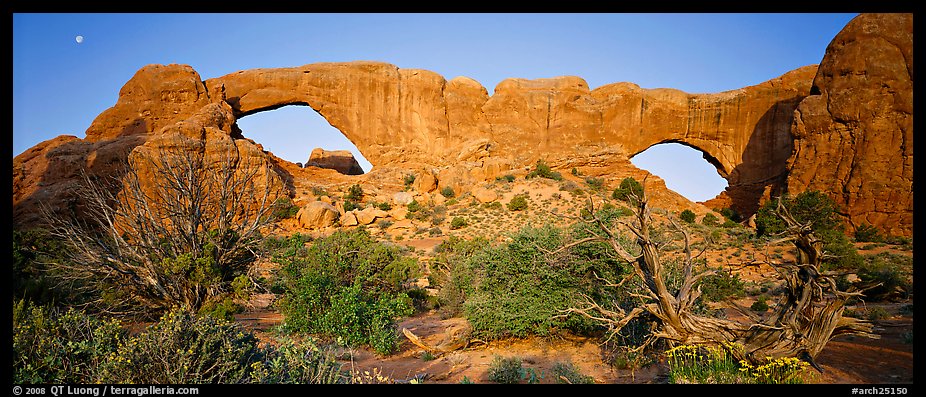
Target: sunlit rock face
(845, 129)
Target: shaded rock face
(853, 138)
(842, 117)
(342, 161)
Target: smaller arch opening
(291, 133)
(686, 170)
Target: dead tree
(809, 315)
(176, 228)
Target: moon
(79, 39)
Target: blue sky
(59, 85)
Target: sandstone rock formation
(316, 215)
(853, 137)
(342, 161)
(453, 133)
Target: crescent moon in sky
(79, 39)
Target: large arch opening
(686, 170)
(292, 132)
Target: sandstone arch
(412, 118)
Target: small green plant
(458, 222)
(384, 224)
(506, 370)
(427, 356)
(284, 208)
(408, 180)
(542, 170)
(868, 234)
(413, 206)
(384, 206)
(595, 184)
(627, 190)
(688, 216)
(319, 191)
(351, 205)
(518, 203)
(760, 305)
(722, 285)
(877, 314)
(506, 178)
(448, 192)
(567, 372)
(575, 171)
(466, 381)
(354, 193)
(435, 231)
(710, 220)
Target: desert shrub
(508, 370)
(450, 273)
(223, 307)
(628, 189)
(384, 206)
(710, 220)
(301, 362)
(760, 305)
(731, 214)
(354, 193)
(542, 170)
(284, 208)
(885, 276)
(347, 286)
(822, 213)
(408, 180)
(32, 279)
(518, 289)
(721, 286)
(687, 215)
(595, 184)
(413, 206)
(505, 178)
(448, 192)
(868, 233)
(435, 231)
(53, 346)
(184, 348)
(518, 203)
(458, 222)
(567, 372)
(575, 171)
(351, 205)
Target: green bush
(595, 184)
(354, 193)
(448, 192)
(450, 272)
(688, 216)
(866, 233)
(885, 276)
(351, 205)
(628, 189)
(181, 348)
(413, 206)
(710, 220)
(822, 213)
(458, 222)
(50, 346)
(408, 180)
(542, 170)
(384, 206)
(518, 203)
(567, 372)
(31, 248)
(506, 178)
(506, 370)
(518, 289)
(347, 286)
(731, 214)
(760, 305)
(284, 208)
(721, 286)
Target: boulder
(342, 161)
(485, 195)
(317, 215)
